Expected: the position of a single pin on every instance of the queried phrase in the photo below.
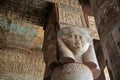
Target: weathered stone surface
(92, 27)
(20, 34)
(19, 42)
(70, 13)
(70, 16)
(31, 11)
(20, 64)
(107, 21)
(72, 71)
(104, 14)
(50, 42)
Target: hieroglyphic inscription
(92, 27)
(71, 18)
(70, 12)
(18, 61)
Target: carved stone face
(76, 43)
(72, 47)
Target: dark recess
(84, 2)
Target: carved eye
(80, 37)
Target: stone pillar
(106, 13)
(68, 49)
(50, 42)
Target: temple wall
(20, 64)
(20, 50)
(23, 34)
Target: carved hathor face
(72, 43)
(75, 42)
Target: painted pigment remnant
(20, 30)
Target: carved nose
(77, 45)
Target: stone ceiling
(32, 11)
